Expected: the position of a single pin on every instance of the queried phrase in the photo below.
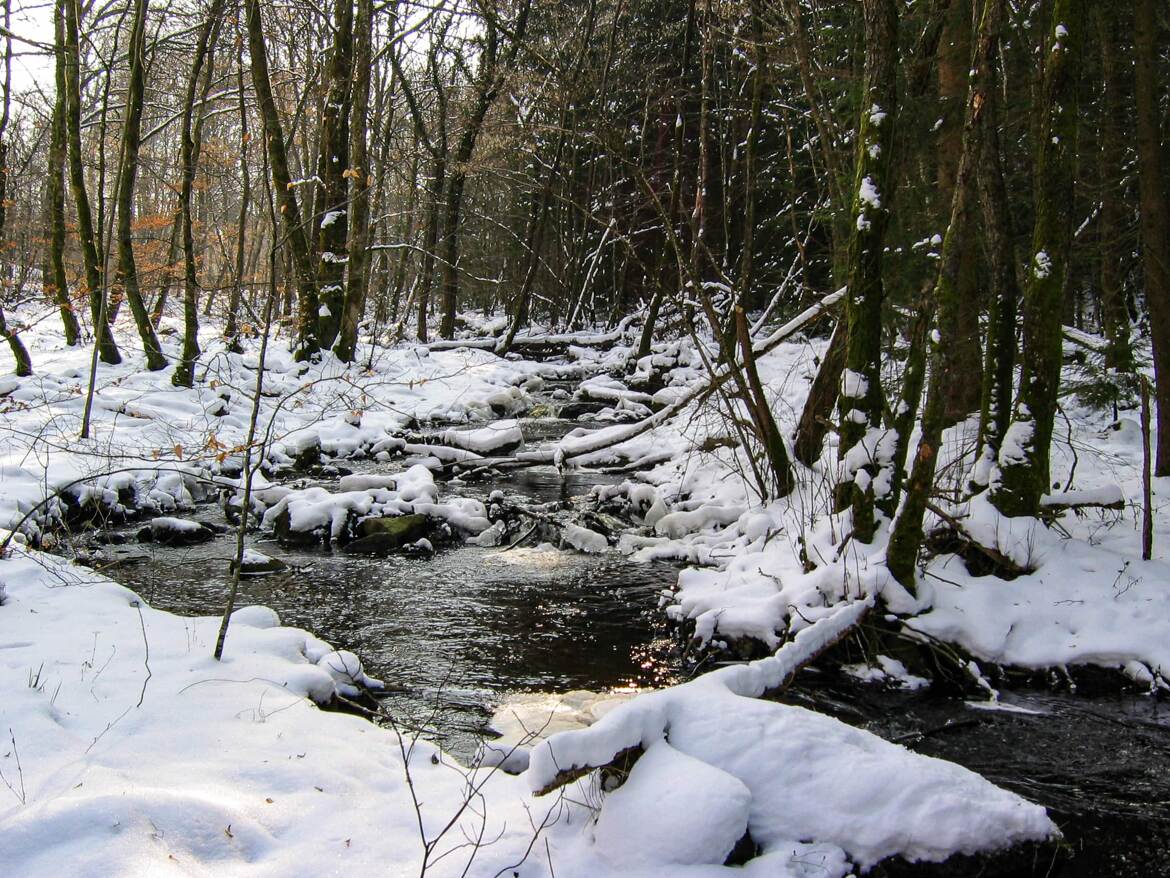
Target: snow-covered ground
(130, 751)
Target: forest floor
(129, 750)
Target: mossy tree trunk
(127, 276)
(360, 172)
(19, 352)
(1155, 215)
(68, 13)
(1114, 121)
(906, 534)
(53, 276)
(1024, 455)
(190, 139)
(333, 173)
(865, 444)
(297, 240)
(960, 347)
(998, 242)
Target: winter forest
(591, 438)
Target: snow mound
(500, 436)
(809, 777)
(256, 617)
(673, 808)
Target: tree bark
(54, 279)
(960, 346)
(231, 329)
(906, 534)
(190, 138)
(308, 343)
(69, 80)
(1155, 216)
(1114, 121)
(998, 242)
(127, 276)
(359, 218)
(861, 400)
(1024, 455)
(333, 173)
(491, 77)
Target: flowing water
(463, 629)
(459, 631)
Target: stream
(462, 630)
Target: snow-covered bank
(153, 445)
(763, 572)
(130, 751)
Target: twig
(19, 771)
(146, 646)
(519, 540)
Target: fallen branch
(1087, 340)
(599, 440)
(581, 340)
(632, 726)
(996, 556)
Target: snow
(584, 540)
(212, 743)
(332, 515)
(868, 193)
(865, 796)
(484, 440)
(176, 525)
(1105, 495)
(223, 768)
(854, 385)
(673, 809)
(1041, 264)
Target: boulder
(380, 536)
(258, 564)
(282, 528)
(176, 532)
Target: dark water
(1100, 764)
(459, 630)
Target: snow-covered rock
(498, 437)
(176, 532)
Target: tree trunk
(1024, 455)
(19, 352)
(814, 425)
(359, 219)
(863, 444)
(1114, 121)
(231, 329)
(131, 139)
(490, 76)
(906, 534)
(960, 348)
(1155, 216)
(998, 242)
(191, 137)
(54, 278)
(333, 172)
(69, 81)
(286, 200)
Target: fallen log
(628, 728)
(599, 440)
(521, 342)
